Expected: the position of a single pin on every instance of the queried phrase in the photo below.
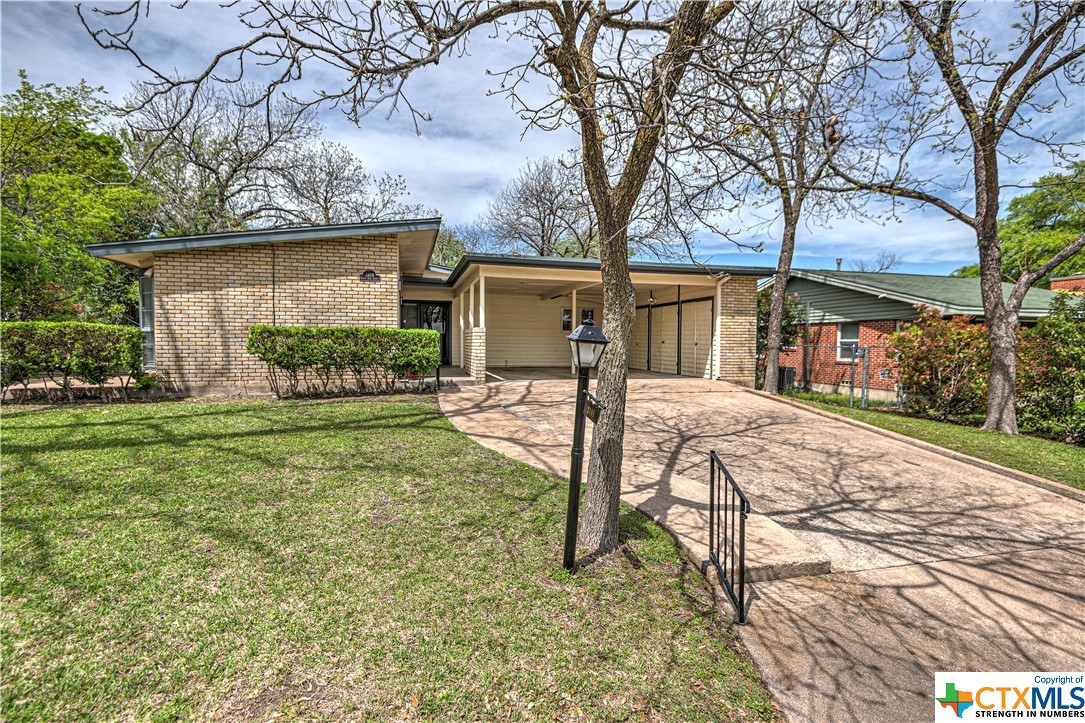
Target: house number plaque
(592, 407)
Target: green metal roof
(953, 296)
(237, 238)
(556, 262)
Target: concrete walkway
(936, 565)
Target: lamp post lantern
(587, 344)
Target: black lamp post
(587, 343)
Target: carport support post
(575, 465)
(572, 325)
(481, 300)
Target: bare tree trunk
(1002, 335)
(614, 205)
(1001, 394)
(776, 305)
(599, 524)
(1000, 319)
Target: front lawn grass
(358, 560)
(1042, 457)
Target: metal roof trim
(239, 238)
(550, 262)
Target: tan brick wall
(738, 331)
(206, 300)
(474, 353)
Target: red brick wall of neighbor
(206, 300)
(825, 369)
(1069, 284)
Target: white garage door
(697, 338)
(664, 336)
(638, 341)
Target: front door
(428, 315)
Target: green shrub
(61, 352)
(342, 359)
(944, 364)
(1051, 372)
(944, 367)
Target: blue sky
(476, 142)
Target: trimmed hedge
(342, 359)
(68, 350)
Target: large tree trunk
(1002, 394)
(1001, 321)
(776, 305)
(599, 524)
(614, 206)
(1002, 336)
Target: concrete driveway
(937, 565)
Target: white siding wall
(525, 331)
(666, 294)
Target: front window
(146, 317)
(847, 341)
(567, 318)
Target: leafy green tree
(1039, 224)
(791, 320)
(449, 248)
(64, 185)
(463, 238)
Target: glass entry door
(428, 315)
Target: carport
(514, 312)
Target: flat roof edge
(559, 262)
(239, 238)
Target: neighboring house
(200, 294)
(850, 309)
(1073, 282)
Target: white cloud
(476, 142)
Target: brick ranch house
(200, 294)
(1073, 282)
(849, 309)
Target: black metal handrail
(727, 508)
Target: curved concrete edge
(680, 506)
(1058, 488)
